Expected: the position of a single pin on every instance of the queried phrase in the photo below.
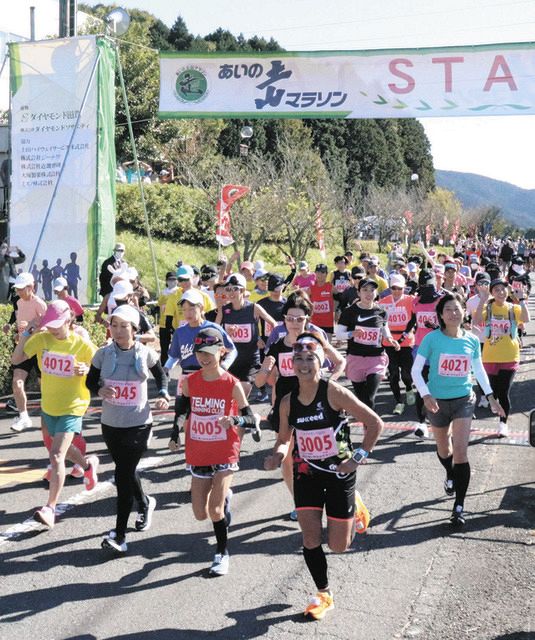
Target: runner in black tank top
(324, 460)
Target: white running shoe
(503, 429)
(220, 564)
(20, 423)
(422, 431)
(398, 409)
(483, 402)
(410, 398)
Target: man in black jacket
(109, 266)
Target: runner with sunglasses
(277, 367)
(119, 374)
(240, 319)
(452, 354)
(325, 461)
(215, 405)
(181, 351)
(364, 326)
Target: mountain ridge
(517, 205)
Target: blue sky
(498, 147)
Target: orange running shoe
(319, 605)
(362, 515)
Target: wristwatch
(359, 455)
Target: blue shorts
(62, 424)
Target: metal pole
(136, 164)
(32, 23)
(63, 18)
(93, 70)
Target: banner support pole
(136, 164)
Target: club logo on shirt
(208, 405)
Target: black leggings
(126, 446)
(367, 390)
(399, 360)
(501, 384)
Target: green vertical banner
(101, 218)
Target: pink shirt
(304, 282)
(27, 310)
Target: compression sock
(461, 480)
(220, 530)
(317, 565)
(447, 463)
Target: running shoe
(457, 516)
(226, 510)
(48, 473)
(45, 515)
(362, 515)
(319, 605)
(90, 474)
(257, 433)
(264, 398)
(293, 516)
(220, 565)
(422, 431)
(111, 542)
(483, 402)
(77, 471)
(20, 423)
(410, 398)
(448, 487)
(398, 409)
(503, 429)
(144, 517)
(11, 405)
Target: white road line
(83, 497)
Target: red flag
(408, 217)
(320, 234)
(428, 234)
(229, 194)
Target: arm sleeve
(182, 407)
(161, 378)
(247, 419)
(342, 332)
(92, 380)
(416, 372)
(481, 376)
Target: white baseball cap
(60, 284)
(23, 280)
(193, 296)
(397, 280)
(126, 312)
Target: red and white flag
(229, 194)
(320, 235)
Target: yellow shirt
(382, 283)
(500, 347)
(255, 295)
(162, 303)
(174, 309)
(62, 392)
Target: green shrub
(175, 212)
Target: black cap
(517, 260)
(366, 281)
(496, 282)
(208, 271)
(170, 275)
(482, 277)
(323, 268)
(358, 271)
(426, 278)
(275, 280)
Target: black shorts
(321, 489)
(244, 371)
(27, 365)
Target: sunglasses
(233, 289)
(301, 347)
(295, 318)
(209, 340)
(183, 279)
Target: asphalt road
(410, 576)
